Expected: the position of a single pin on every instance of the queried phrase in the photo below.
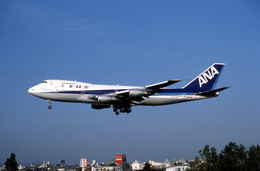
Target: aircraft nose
(33, 90)
(30, 90)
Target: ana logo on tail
(209, 74)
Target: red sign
(84, 162)
(120, 158)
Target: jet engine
(139, 93)
(107, 99)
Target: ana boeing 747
(122, 98)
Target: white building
(156, 164)
(137, 165)
(20, 167)
(167, 163)
(105, 168)
(44, 165)
(182, 161)
(178, 168)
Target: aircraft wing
(123, 93)
(133, 96)
(145, 91)
(161, 84)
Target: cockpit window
(44, 82)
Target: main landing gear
(122, 110)
(49, 106)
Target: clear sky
(128, 43)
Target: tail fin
(206, 80)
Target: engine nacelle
(100, 106)
(107, 99)
(138, 93)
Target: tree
(147, 167)
(11, 164)
(233, 157)
(253, 159)
(208, 160)
(196, 164)
(241, 157)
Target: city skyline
(91, 162)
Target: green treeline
(232, 158)
(11, 164)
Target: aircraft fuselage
(123, 97)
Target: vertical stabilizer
(206, 80)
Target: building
(120, 159)
(156, 165)
(167, 163)
(83, 162)
(178, 168)
(44, 165)
(105, 168)
(2, 168)
(137, 165)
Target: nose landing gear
(49, 106)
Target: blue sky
(127, 43)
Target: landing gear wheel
(122, 109)
(128, 110)
(49, 107)
(116, 111)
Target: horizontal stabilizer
(211, 92)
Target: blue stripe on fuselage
(171, 91)
(175, 91)
(98, 92)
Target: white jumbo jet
(122, 98)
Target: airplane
(122, 98)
